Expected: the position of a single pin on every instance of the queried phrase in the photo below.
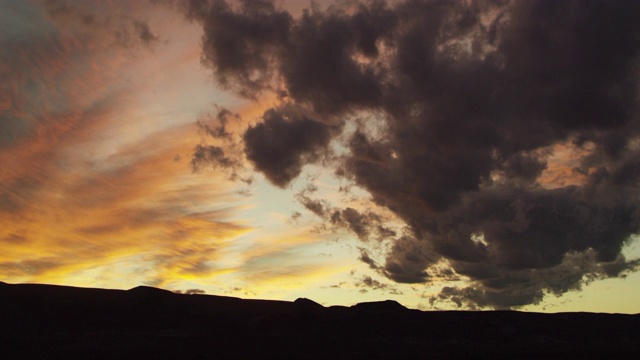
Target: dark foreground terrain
(57, 322)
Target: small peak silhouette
(305, 303)
(143, 289)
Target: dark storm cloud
(473, 97)
(506, 289)
(283, 143)
(407, 260)
(240, 43)
(317, 63)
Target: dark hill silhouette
(307, 304)
(60, 322)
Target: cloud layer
(462, 109)
(85, 196)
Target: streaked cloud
(78, 193)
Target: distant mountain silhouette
(60, 322)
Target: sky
(443, 154)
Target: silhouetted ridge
(60, 322)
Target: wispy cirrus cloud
(77, 192)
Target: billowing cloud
(281, 144)
(466, 104)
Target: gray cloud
(318, 207)
(359, 223)
(143, 32)
(194, 292)
(240, 44)
(30, 267)
(211, 155)
(365, 258)
(130, 33)
(127, 31)
(216, 126)
(507, 289)
(282, 144)
(367, 283)
(472, 98)
(226, 150)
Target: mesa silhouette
(56, 322)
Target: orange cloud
(80, 197)
(561, 167)
(86, 218)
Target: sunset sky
(447, 155)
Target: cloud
(473, 97)
(507, 289)
(318, 207)
(213, 155)
(366, 283)
(220, 146)
(194, 292)
(239, 44)
(47, 98)
(84, 199)
(131, 215)
(144, 32)
(366, 225)
(282, 143)
(109, 19)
